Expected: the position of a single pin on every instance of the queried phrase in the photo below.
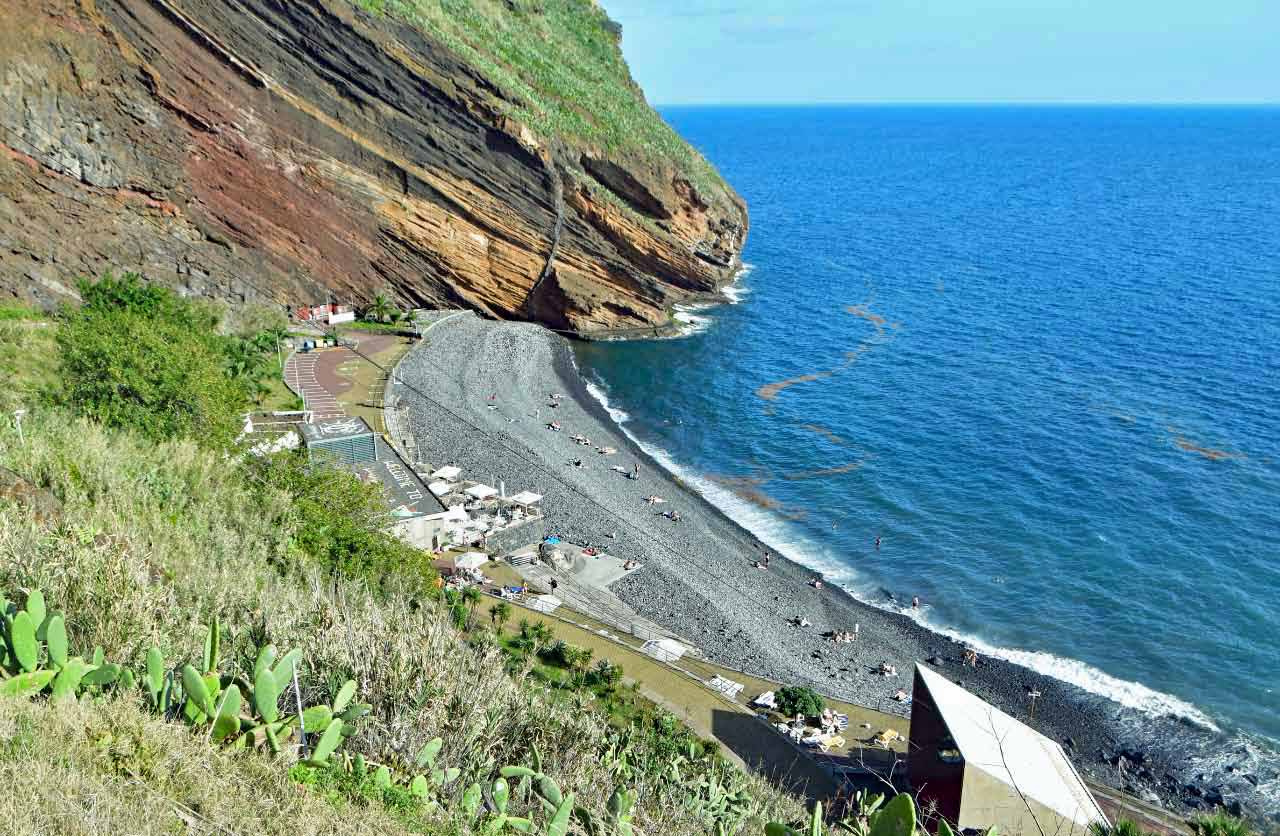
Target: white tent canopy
(481, 491)
(448, 474)
(440, 488)
(471, 560)
(526, 498)
(665, 650)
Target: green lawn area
(364, 398)
(278, 396)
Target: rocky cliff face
(293, 151)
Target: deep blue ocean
(1035, 350)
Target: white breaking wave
(779, 536)
(736, 290)
(693, 324)
(620, 416)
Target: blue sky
(734, 51)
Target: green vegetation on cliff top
(561, 63)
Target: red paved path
(314, 376)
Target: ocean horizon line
(1261, 104)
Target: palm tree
(379, 309)
(499, 614)
(471, 598)
(1220, 823)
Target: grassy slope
(111, 768)
(155, 540)
(559, 60)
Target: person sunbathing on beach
(757, 564)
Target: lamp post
(1033, 695)
(17, 417)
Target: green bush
(605, 676)
(340, 522)
(360, 789)
(139, 357)
(797, 699)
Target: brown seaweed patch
(818, 474)
(818, 429)
(770, 390)
(1212, 454)
(748, 488)
(864, 311)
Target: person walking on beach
(856, 628)
(635, 470)
(766, 560)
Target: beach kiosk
(481, 492)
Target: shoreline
(697, 579)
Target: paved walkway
(319, 377)
(313, 377)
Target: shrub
(1220, 823)
(138, 357)
(340, 522)
(605, 676)
(797, 699)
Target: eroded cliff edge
(297, 150)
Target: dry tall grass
(157, 539)
(99, 768)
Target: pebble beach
(480, 394)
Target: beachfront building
(329, 314)
(982, 768)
